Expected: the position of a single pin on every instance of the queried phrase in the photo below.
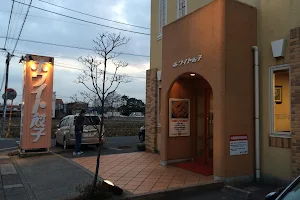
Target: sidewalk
(40, 178)
(55, 177)
(11, 186)
(141, 172)
(51, 176)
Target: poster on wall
(179, 114)
(238, 145)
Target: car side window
(64, 122)
(61, 123)
(67, 122)
(74, 120)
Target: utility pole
(8, 57)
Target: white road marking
(115, 149)
(8, 148)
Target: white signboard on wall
(179, 117)
(238, 145)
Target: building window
(181, 8)
(280, 105)
(162, 17)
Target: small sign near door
(179, 111)
(238, 145)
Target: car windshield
(90, 120)
(293, 193)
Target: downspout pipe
(257, 135)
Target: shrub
(101, 192)
(141, 146)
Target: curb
(34, 154)
(77, 165)
(23, 179)
(174, 193)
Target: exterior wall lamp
(278, 48)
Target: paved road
(8, 144)
(259, 191)
(113, 145)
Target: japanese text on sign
(38, 118)
(187, 61)
(238, 145)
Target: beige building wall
(275, 19)
(156, 44)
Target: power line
(94, 15)
(120, 29)
(99, 72)
(67, 67)
(12, 24)
(12, 7)
(74, 47)
(83, 24)
(22, 27)
(68, 57)
(15, 21)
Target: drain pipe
(257, 135)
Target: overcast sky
(52, 28)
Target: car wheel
(65, 145)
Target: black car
(291, 192)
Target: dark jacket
(79, 121)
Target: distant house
(136, 114)
(59, 109)
(75, 107)
(113, 114)
(16, 110)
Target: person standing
(79, 122)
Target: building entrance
(199, 143)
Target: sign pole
(9, 122)
(8, 57)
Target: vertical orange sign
(36, 114)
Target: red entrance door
(205, 130)
(208, 126)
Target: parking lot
(112, 145)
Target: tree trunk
(99, 150)
(100, 134)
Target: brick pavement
(140, 172)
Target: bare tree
(111, 100)
(89, 98)
(98, 81)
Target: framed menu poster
(179, 117)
